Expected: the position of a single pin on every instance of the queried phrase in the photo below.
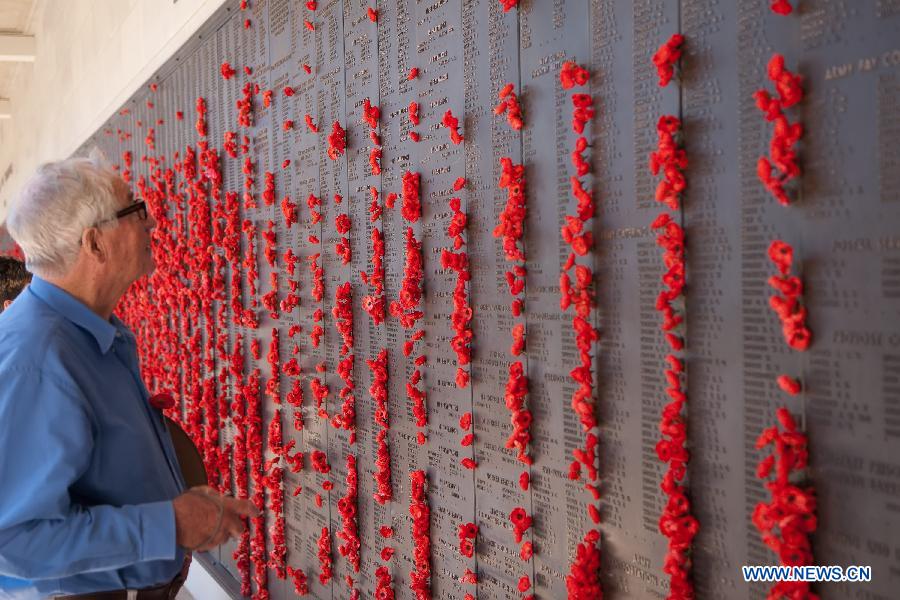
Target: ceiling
(14, 17)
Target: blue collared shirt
(87, 469)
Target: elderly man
(93, 503)
(13, 279)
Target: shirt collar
(74, 310)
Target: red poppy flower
(789, 385)
(452, 123)
(781, 7)
(521, 522)
(666, 57)
(571, 75)
(227, 71)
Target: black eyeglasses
(138, 207)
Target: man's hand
(197, 518)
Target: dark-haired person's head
(13, 279)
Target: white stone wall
(91, 56)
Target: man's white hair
(56, 205)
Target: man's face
(129, 243)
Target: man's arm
(46, 442)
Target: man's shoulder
(32, 335)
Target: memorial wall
(422, 293)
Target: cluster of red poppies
(785, 522)
(384, 589)
(241, 457)
(782, 153)
(461, 318)
(343, 322)
(511, 228)
(576, 232)
(789, 518)
(325, 572)
(249, 262)
(230, 144)
(583, 580)
(374, 303)
(411, 203)
(248, 169)
(291, 300)
(378, 391)
(270, 298)
(289, 210)
(420, 578)
(268, 194)
(787, 305)
(200, 124)
(216, 407)
(337, 141)
(371, 116)
(291, 367)
(509, 104)
(467, 532)
(231, 244)
(317, 290)
(274, 359)
(313, 202)
(274, 481)
(150, 139)
(465, 423)
(295, 399)
(350, 525)
(270, 238)
(676, 522)
(452, 124)
(408, 307)
(245, 106)
(343, 315)
(512, 219)
(191, 277)
(413, 114)
(508, 4)
(126, 160)
(342, 247)
(666, 57)
(239, 414)
(299, 579)
(257, 475)
(521, 522)
(670, 159)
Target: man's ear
(92, 242)
(6, 304)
